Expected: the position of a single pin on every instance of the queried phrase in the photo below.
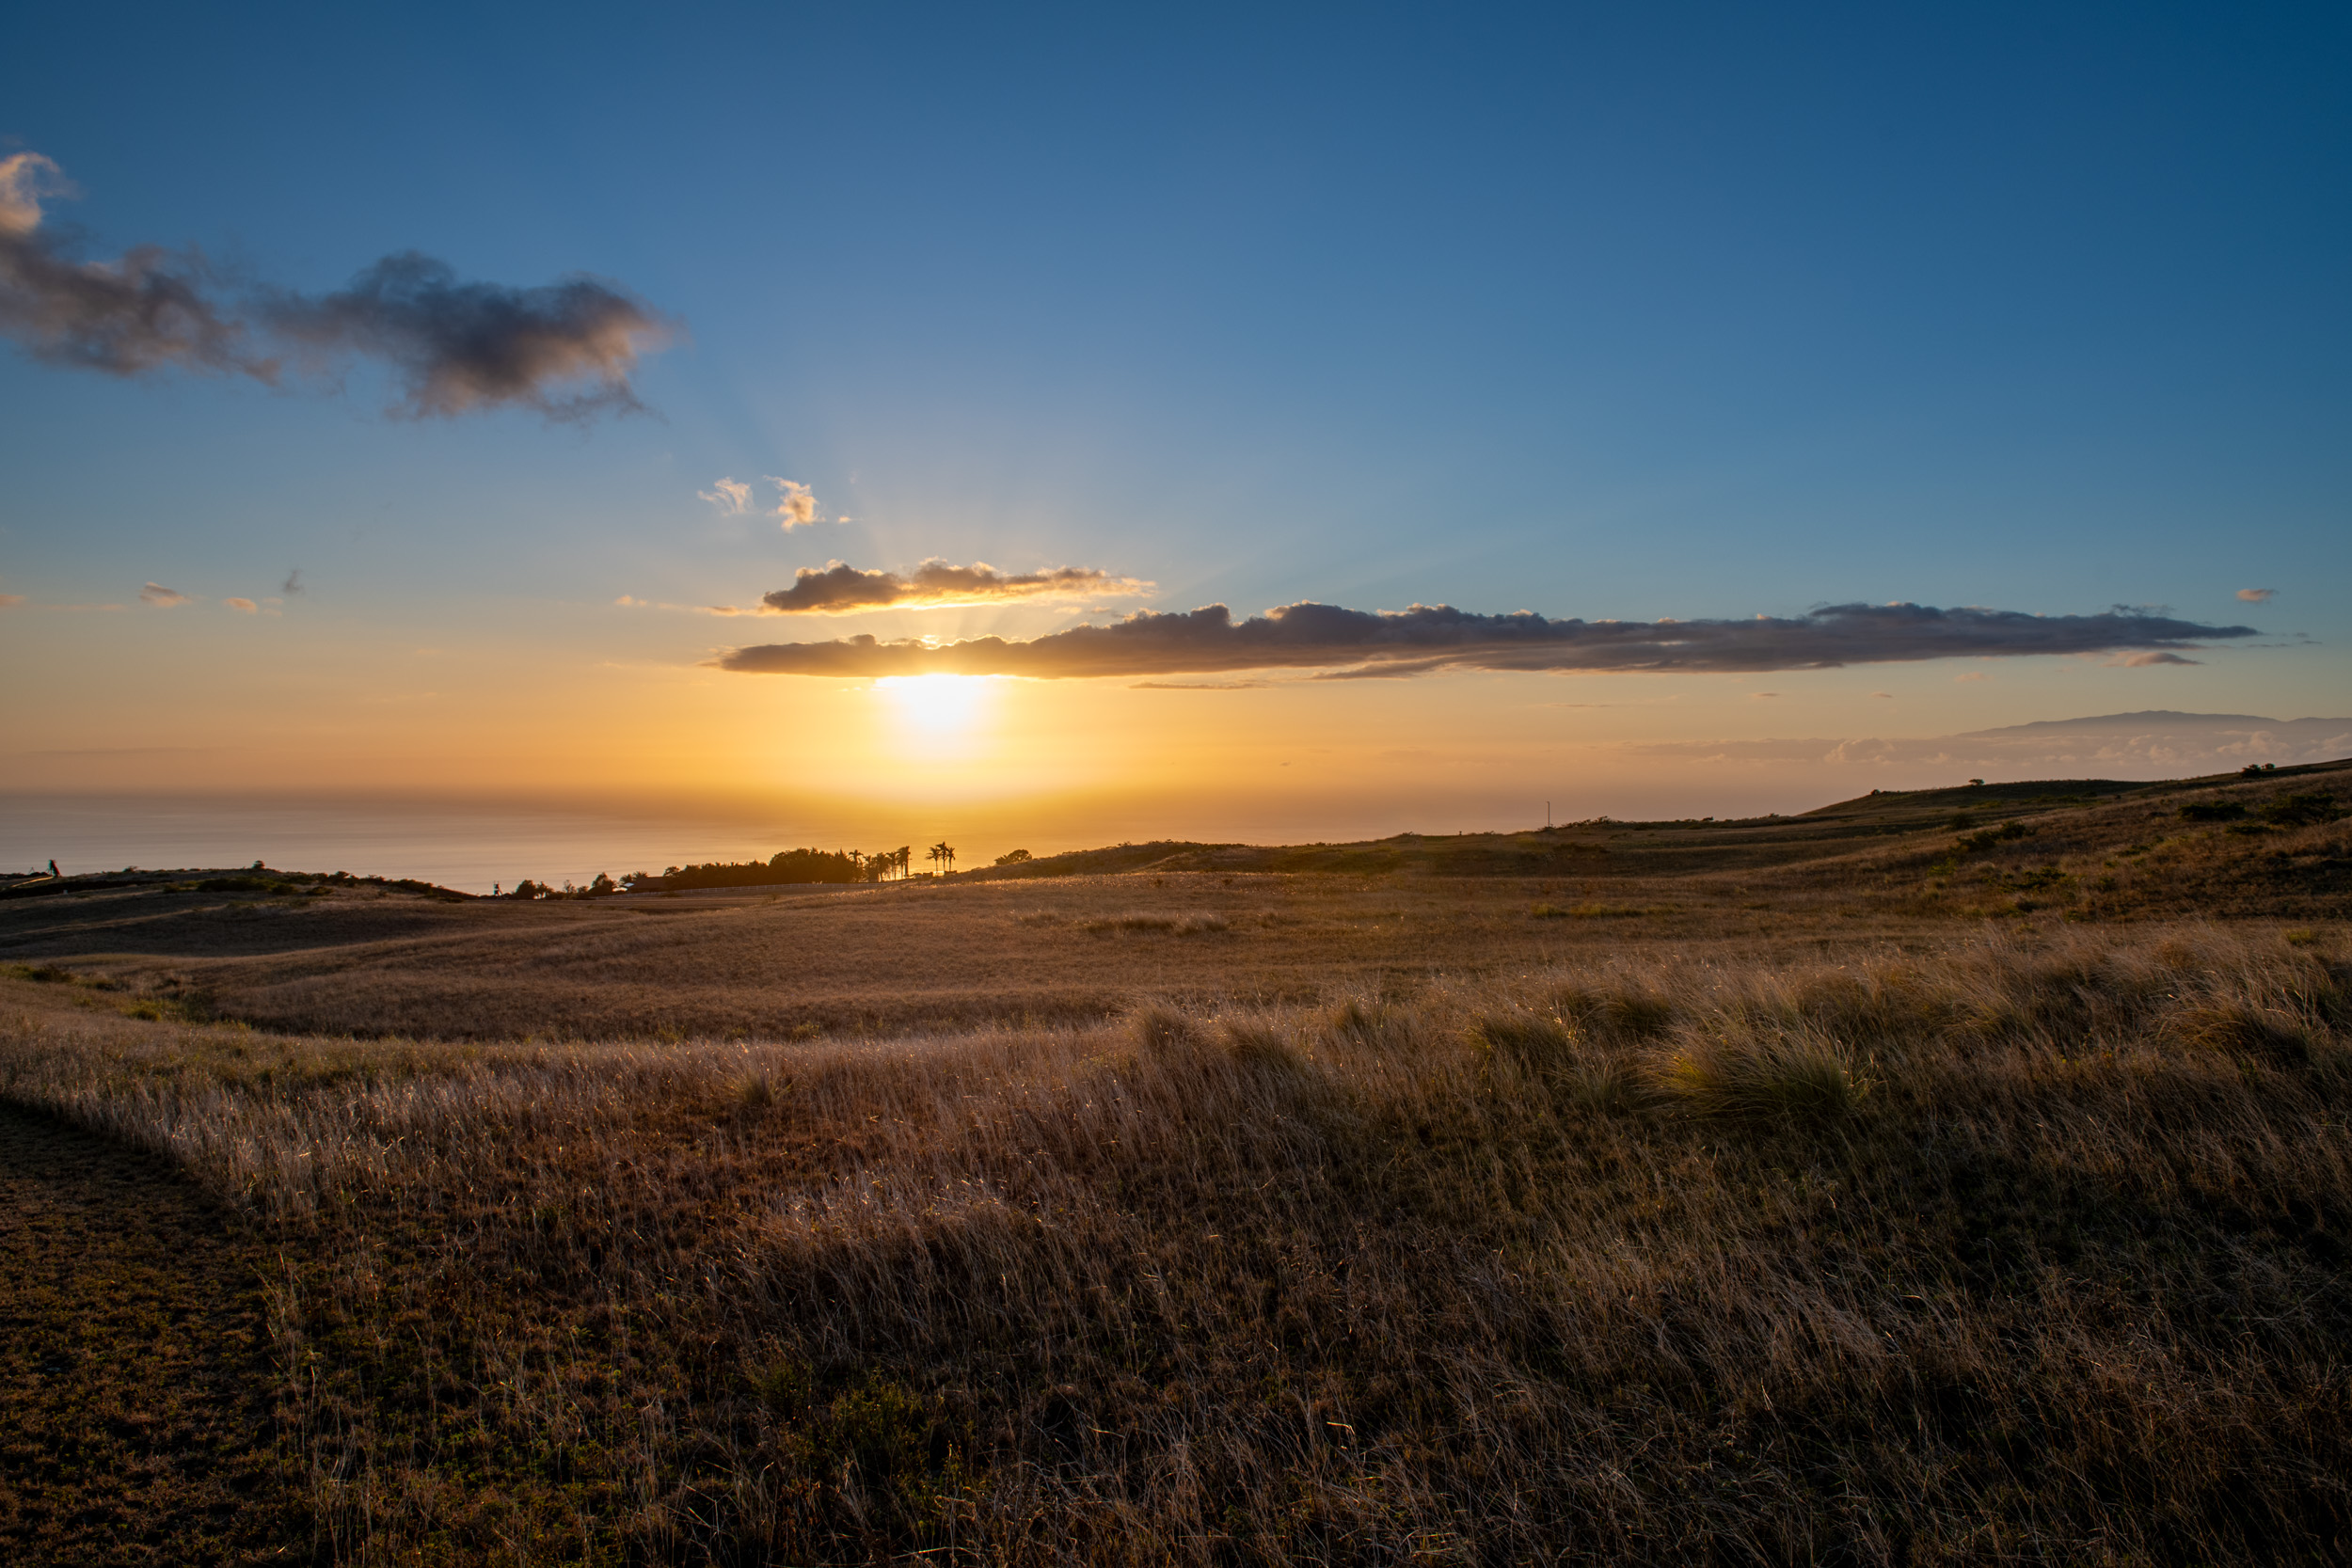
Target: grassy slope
(2032, 1252)
(1924, 1214)
(136, 1372)
(1199, 923)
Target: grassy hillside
(2029, 1251)
(1909, 1181)
(1202, 923)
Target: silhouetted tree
(785, 866)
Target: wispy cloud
(796, 504)
(2258, 596)
(2143, 661)
(1354, 643)
(840, 588)
(730, 495)
(242, 607)
(162, 597)
(630, 601)
(565, 349)
(24, 178)
(1202, 686)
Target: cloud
(293, 584)
(160, 597)
(2258, 596)
(242, 607)
(1354, 643)
(1219, 685)
(1971, 676)
(844, 590)
(1882, 694)
(9, 601)
(24, 178)
(565, 349)
(798, 506)
(2141, 661)
(630, 601)
(148, 309)
(730, 495)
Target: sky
(393, 403)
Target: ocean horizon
(474, 846)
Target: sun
(939, 706)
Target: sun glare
(939, 706)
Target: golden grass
(927, 957)
(2005, 1249)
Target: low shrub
(2302, 811)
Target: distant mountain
(2166, 719)
(2152, 744)
(2176, 742)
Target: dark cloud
(149, 308)
(844, 590)
(565, 349)
(1354, 643)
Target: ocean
(473, 846)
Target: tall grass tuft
(1160, 1028)
(1797, 1076)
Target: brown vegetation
(2029, 1250)
(138, 1391)
(1348, 1219)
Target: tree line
(787, 867)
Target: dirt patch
(137, 1391)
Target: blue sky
(1692, 311)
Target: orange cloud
(841, 589)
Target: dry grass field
(1892, 1184)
